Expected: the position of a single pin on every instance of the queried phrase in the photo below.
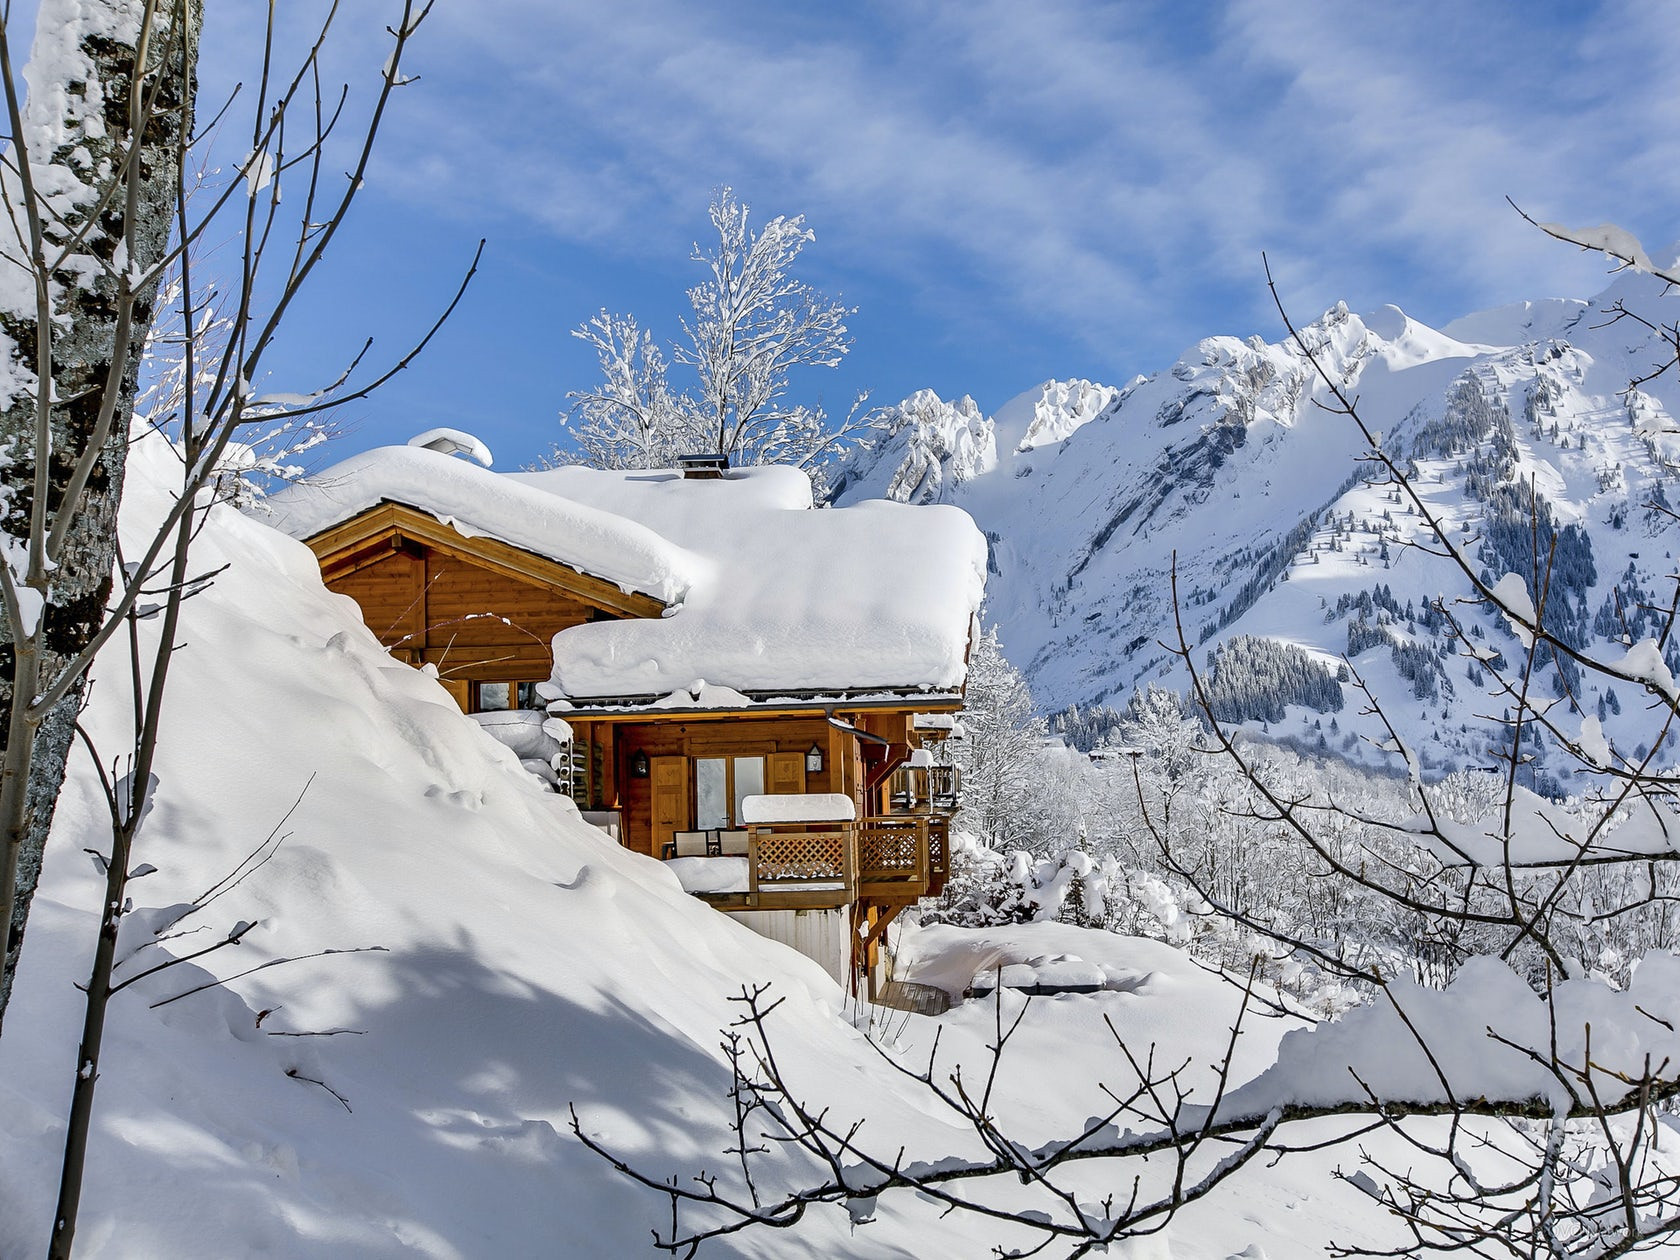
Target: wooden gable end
(477, 608)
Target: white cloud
(1107, 173)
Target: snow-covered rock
(926, 448)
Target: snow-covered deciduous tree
(631, 419)
(752, 324)
(999, 753)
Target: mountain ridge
(1227, 469)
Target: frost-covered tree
(631, 419)
(999, 754)
(1252, 678)
(752, 325)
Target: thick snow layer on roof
(475, 501)
(876, 596)
(665, 502)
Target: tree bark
(97, 332)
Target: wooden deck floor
(906, 995)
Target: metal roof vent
(703, 467)
(452, 442)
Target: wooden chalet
(712, 645)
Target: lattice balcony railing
(899, 852)
(792, 857)
(939, 847)
(893, 850)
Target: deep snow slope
(528, 964)
(1228, 461)
(524, 965)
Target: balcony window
(720, 785)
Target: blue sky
(1006, 191)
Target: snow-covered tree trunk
(108, 115)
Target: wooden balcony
(923, 790)
(824, 866)
(793, 866)
(893, 858)
(799, 866)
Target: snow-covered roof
(475, 501)
(770, 598)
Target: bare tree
(209, 341)
(94, 258)
(89, 187)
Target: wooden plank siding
(478, 609)
(344, 545)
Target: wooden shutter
(669, 776)
(784, 773)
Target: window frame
(731, 791)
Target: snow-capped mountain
(1229, 463)
(928, 448)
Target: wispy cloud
(1107, 174)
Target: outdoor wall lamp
(813, 760)
(638, 764)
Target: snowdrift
(527, 964)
